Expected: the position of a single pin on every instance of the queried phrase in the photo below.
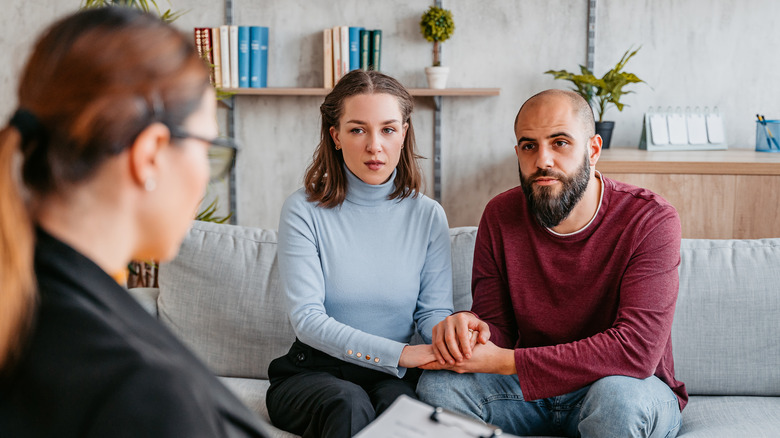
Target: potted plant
(436, 25)
(601, 92)
(168, 16)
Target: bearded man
(574, 285)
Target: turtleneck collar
(361, 193)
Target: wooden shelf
(455, 92)
(288, 91)
(728, 162)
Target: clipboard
(410, 418)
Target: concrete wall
(696, 52)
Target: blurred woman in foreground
(104, 161)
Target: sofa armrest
(146, 297)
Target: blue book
(258, 57)
(243, 56)
(354, 48)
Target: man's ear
(144, 153)
(594, 149)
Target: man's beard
(551, 209)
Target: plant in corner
(437, 26)
(602, 92)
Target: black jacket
(98, 365)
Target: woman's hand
(413, 356)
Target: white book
(327, 55)
(233, 56)
(336, 37)
(344, 46)
(224, 42)
(216, 49)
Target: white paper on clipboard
(410, 418)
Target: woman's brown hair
(325, 181)
(95, 80)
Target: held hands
(460, 344)
(456, 336)
(485, 358)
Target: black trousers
(313, 394)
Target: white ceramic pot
(437, 77)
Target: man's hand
(454, 338)
(487, 358)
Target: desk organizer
(678, 130)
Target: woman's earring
(150, 184)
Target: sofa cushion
(462, 242)
(726, 331)
(728, 417)
(252, 393)
(221, 297)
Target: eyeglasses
(222, 153)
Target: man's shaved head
(579, 105)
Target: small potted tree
(437, 26)
(602, 92)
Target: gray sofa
(221, 297)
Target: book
(258, 56)
(203, 46)
(344, 45)
(327, 57)
(243, 56)
(336, 38)
(354, 48)
(198, 41)
(216, 48)
(233, 30)
(208, 54)
(365, 48)
(224, 41)
(376, 50)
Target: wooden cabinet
(732, 194)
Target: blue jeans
(615, 406)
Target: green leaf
(606, 90)
(436, 24)
(148, 6)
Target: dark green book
(365, 49)
(376, 50)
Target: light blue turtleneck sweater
(359, 277)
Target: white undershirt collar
(601, 197)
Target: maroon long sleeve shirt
(583, 306)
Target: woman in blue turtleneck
(365, 262)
